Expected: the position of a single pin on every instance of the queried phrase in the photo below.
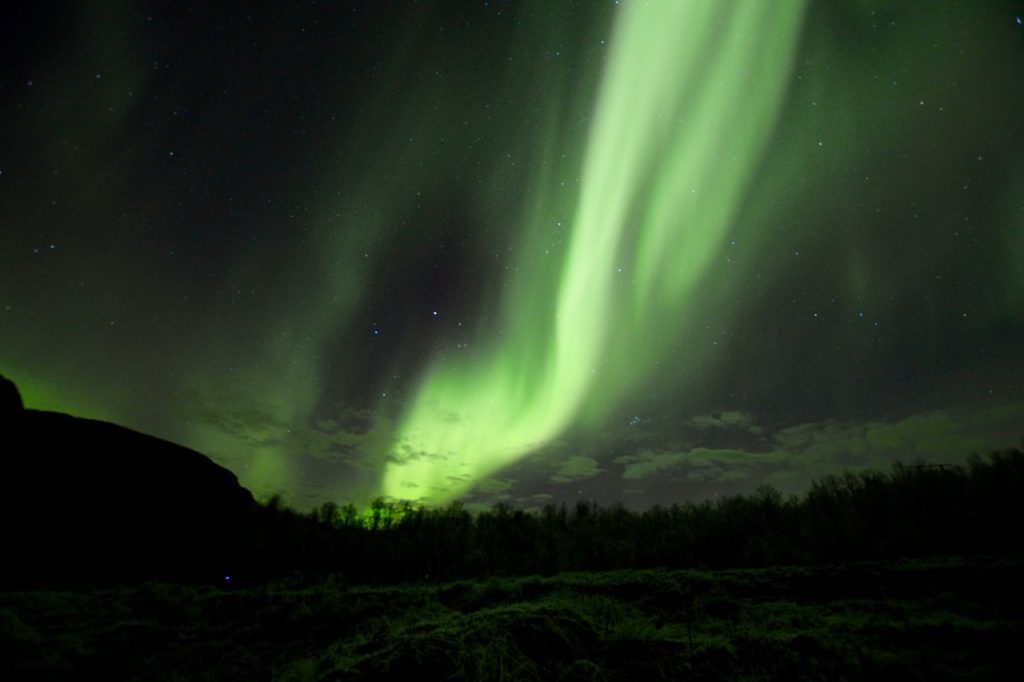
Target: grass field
(942, 618)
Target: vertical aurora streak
(689, 96)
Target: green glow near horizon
(689, 96)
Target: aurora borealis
(521, 251)
(667, 155)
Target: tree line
(915, 510)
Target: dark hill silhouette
(86, 500)
(10, 400)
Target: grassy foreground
(940, 618)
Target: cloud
(649, 462)
(946, 435)
(408, 454)
(356, 422)
(576, 468)
(493, 485)
(248, 424)
(729, 421)
(797, 454)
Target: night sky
(522, 251)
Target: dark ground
(925, 619)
